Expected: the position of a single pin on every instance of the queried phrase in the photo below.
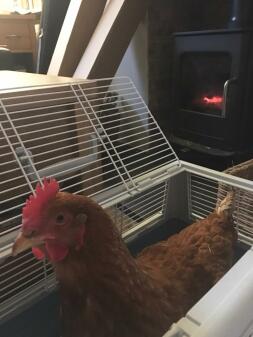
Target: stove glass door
(203, 77)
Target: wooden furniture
(17, 33)
(10, 80)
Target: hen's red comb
(43, 194)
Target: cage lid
(96, 137)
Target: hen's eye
(60, 219)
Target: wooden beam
(78, 26)
(111, 38)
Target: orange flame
(213, 100)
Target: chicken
(105, 292)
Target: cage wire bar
(144, 209)
(205, 193)
(97, 138)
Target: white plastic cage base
(226, 310)
(24, 279)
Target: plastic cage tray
(99, 138)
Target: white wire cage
(91, 136)
(97, 138)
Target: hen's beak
(22, 243)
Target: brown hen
(105, 292)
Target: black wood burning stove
(213, 90)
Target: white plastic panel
(139, 212)
(202, 193)
(226, 310)
(227, 286)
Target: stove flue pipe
(241, 14)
